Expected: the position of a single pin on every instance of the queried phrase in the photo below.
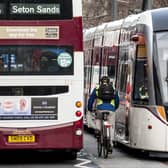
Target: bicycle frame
(105, 138)
(107, 126)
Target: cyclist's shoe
(110, 149)
(97, 133)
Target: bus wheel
(72, 155)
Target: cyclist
(104, 104)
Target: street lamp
(114, 9)
(147, 4)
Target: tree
(96, 12)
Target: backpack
(106, 92)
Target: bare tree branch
(98, 11)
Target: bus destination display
(34, 9)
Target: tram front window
(161, 63)
(141, 81)
(141, 88)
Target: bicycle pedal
(110, 150)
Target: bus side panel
(70, 33)
(62, 137)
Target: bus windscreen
(36, 60)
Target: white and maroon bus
(41, 75)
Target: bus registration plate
(21, 138)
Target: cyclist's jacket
(111, 105)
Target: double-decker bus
(41, 75)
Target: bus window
(34, 60)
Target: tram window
(141, 81)
(123, 77)
(111, 71)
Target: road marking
(84, 162)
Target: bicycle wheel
(99, 146)
(105, 143)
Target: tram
(140, 75)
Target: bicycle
(104, 140)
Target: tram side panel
(147, 131)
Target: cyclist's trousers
(111, 120)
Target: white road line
(84, 162)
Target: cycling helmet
(105, 79)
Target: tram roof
(89, 33)
(100, 30)
(159, 18)
(113, 25)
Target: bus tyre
(72, 155)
